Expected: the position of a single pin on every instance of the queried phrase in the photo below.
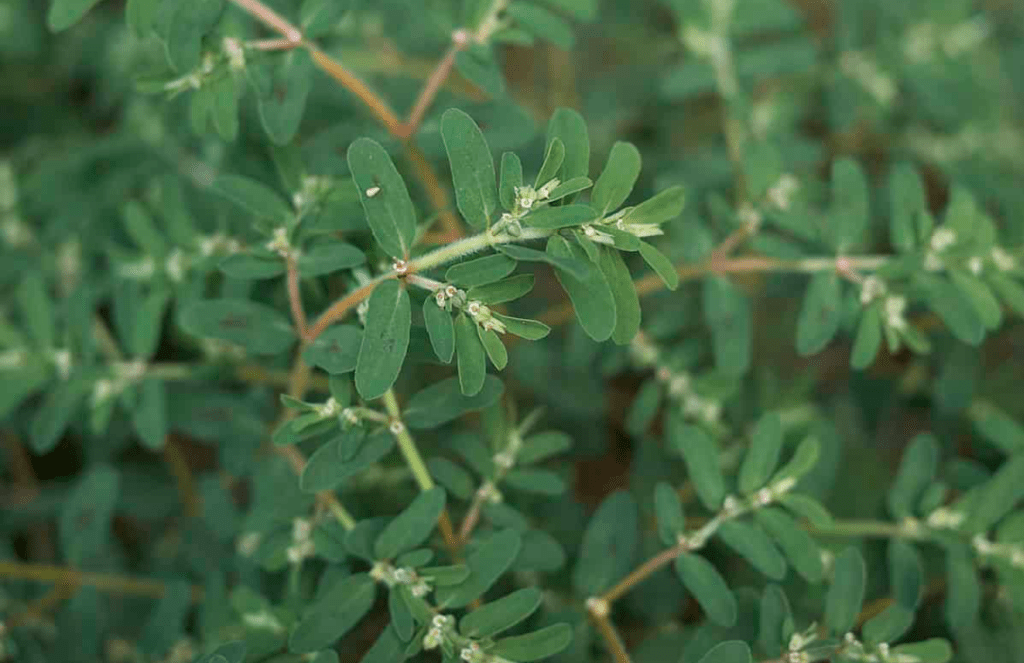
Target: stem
(460, 40)
(298, 463)
(869, 529)
(414, 460)
(104, 582)
(436, 192)
(377, 106)
(435, 258)
(611, 636)
(295, 298)
(271, 19)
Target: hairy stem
(611, 637)
(295, 298)
(105, 582)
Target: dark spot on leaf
(234, 322)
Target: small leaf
(336, 350)
(401, 617)
(480, 271)
(535, 481)
(888, 625)
(935, 650)
(796, 544)
(955, 310)
(333, 463)
(36, 309)
(609, 545)
(65, 13)
(565, 216)
(385, 339)
(150, 414)
(592, 298)
(541, 446)
(906, 574)
(440, 329)
(617, 179)
(411, 527)
(318, 17)
(569, 127)
(668, 511)
(486, 564)
(457, 481)
(282, 96)
(500, 615)
(251, 266)
(256, 327)
(87, 514)
(554, 156)
(846, 593)
(385, 198)
(542, 23)
(333, 615)
(803, 461)
(471, 356)
(708, 588)
(511, 178)
(531, 330)
(664, 206)
(443, 401)
(328, 258)
(500, 292)
(762, 457)
(999, 495)
(776, 621)
(916, 472)
(627, 302)
(727, 312)
(820, 315)
(963, 590)
(534, 646)
(700, 453)
(478, 64)
(580, 269)
(252, 196)
(730, 651)
(849, 214)
(472, 168)
(868, 339)
(493, 346)
(753, 545)
(907, 200)
(661, 265)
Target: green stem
(876, 529)
(406, 443)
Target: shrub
(286, 376)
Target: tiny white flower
(401, 267)
(1003, 261)
(396, 427)
(895, 308)
(764, 496)
(473, 308)
(943, 238)
(872, 288)
(598, 606)
(975, 264)
(236, 55)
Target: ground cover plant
(511, 330)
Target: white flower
(872, 288)
(1003, 261)
(236, 54)
(942, 239)
(975, 264)
(279, 243)
(895, 309)
(175, 265)
(781, 193)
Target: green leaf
(87, 514)
(956, 311)
(166, 622)
(507, 290)
(802, 462)
(471, 356)
(727, 312)
(708, 588)
(336, 350)
(472, 165)
(256, 327)
(319, 17)
(440, 329)
(333, 463)
(888, 625)
(487, 563)
(997, 427)
(664, 206)
(617, 179)
(554, 156)
(661, 265)
(141, 15)
(592, 298)
(753, 545)
(224, 91)
(850, 205)
(411, 527)
(329, 257)
(730, 651)
(916, 472)
(531, 330)
(700, 453)
(627, 302)
(575, 185)
(580, 269)
(583, 10)
(569, 127)
(478, 64)
(500, 615)
(65, 13)
(999, 495)
(493, 346)
(868, 339)
(511, 178)
(980, 297)
(846, 593)
(336, 613)
(250, 266)
(807, 507)
(480, 271)
(258, 199)
(762, 457)
(820, 315)
(935, 650)
(36, 310)
(443, 401)
(385, 339)
(644, 408)
(906, 574)
(906, 202)
(389, 210)
(188, 25)
(565, 216)
(457, 481)
(542, 23)
(388, 648)
(776, 621)
(609, 545)
(541, 446)
(401, 616)
(149, 416)
(542, 482)
(139, 225)
(668, 511)
(963, 589)
(20, 384)
(797, 545)
(51, 419)
(534, 646)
